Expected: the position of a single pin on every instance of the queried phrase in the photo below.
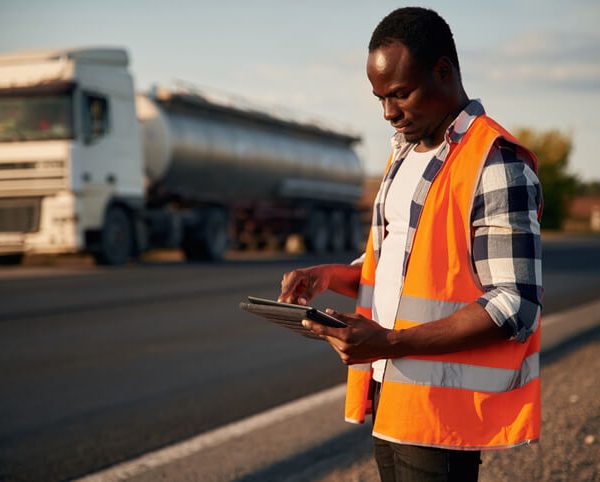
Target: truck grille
(20, 215)
(44, 175)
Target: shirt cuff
(517, 315)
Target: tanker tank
(198, 149)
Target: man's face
(413, 98)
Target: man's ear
(444, 70)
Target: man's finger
(340, 353)
(314, 286)
(288, 287)
(319, 329)
(316, 328)
(345, 317)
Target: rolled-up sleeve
(506, 241)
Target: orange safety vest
(483, 398)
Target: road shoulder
(307, 440)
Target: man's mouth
(401, 127)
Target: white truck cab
(71, 164)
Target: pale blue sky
(532, 62)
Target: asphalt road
(100, 365)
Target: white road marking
(578, 312)
(218, 436)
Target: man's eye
(401, 95)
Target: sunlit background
(534, 63)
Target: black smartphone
(324, 319)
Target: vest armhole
(471, 234)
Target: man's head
(413, 68)
(423, 31)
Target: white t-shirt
(388, 276)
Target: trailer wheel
(116, 238)
(215, 234)
(316, 235)
(11, 259)
(207, 240)
(337, 232)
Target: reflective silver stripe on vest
(460, 375)
(425, 310)
(363, 367)
(365, 296)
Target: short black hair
(421, 30)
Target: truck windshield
(36, 117)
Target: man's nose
(390, 109)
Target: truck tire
(11, 259)
(355, 241)
(316, 234)
(116, 238)
(337, 232)
(207, 240)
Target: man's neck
(431, 142)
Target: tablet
(290, 315)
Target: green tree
(552, 149)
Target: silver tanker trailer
(78, 172)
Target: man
(445, 341)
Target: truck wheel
(207, 240)
(356, 239)
(316, 235)
(11, 259)
(191, 246)
(337, 232)
(116, 238)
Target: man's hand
(364, 341)
(302, 285)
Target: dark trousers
(410, 463)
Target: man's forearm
(470, 327)
(365, 340)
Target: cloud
(540, 60)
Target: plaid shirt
(505, 228)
